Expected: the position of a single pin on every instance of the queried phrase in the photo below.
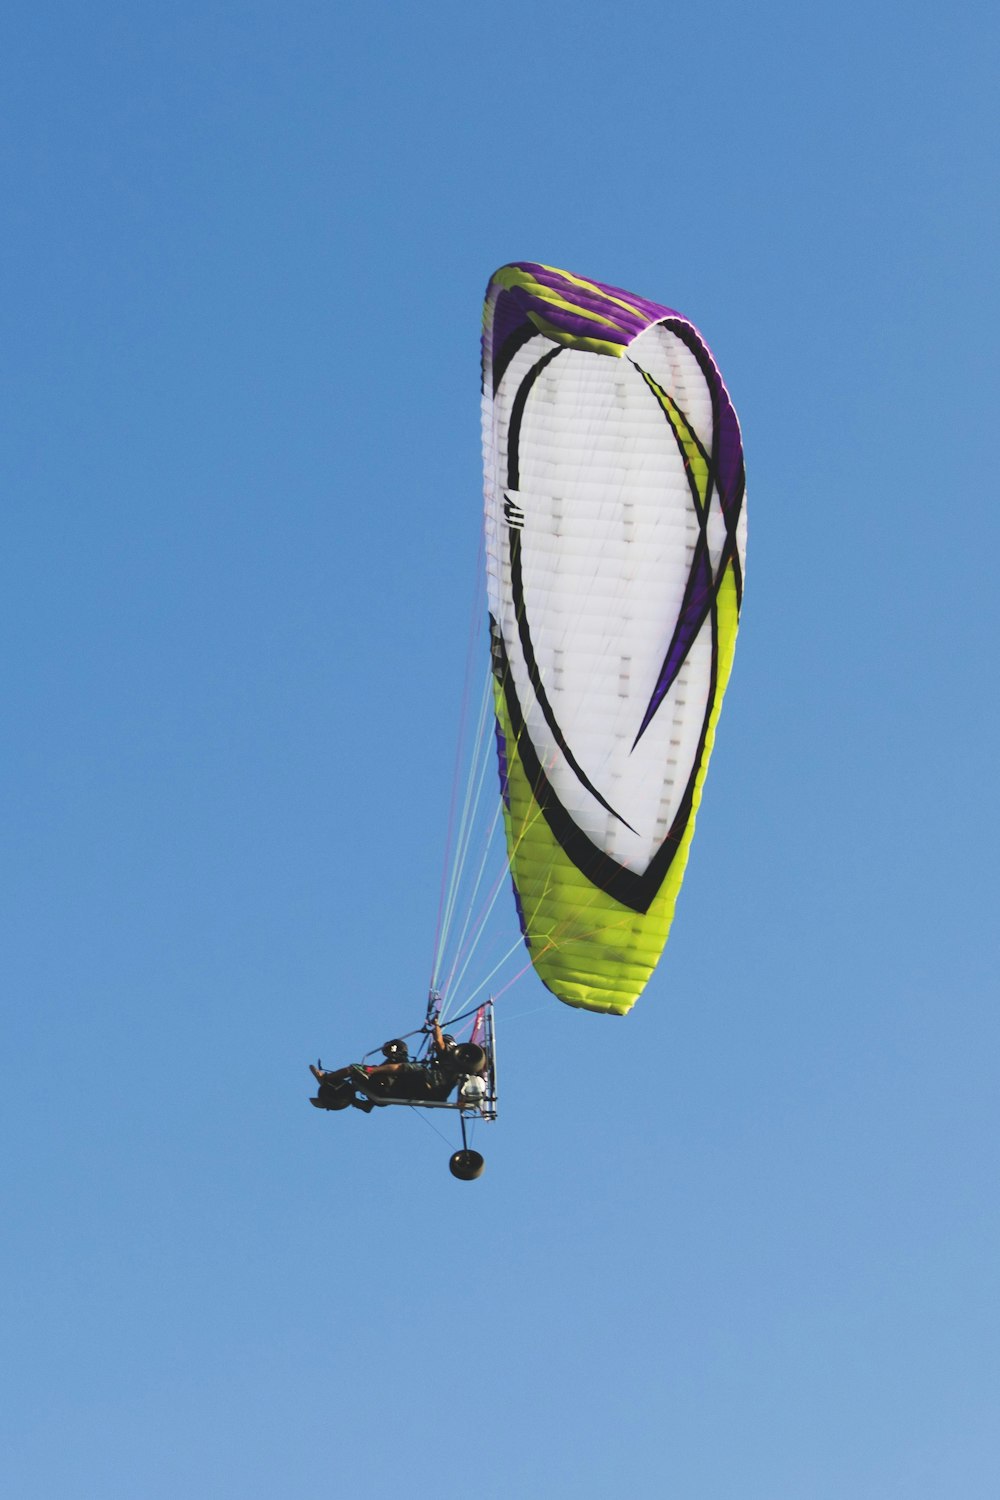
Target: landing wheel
(466, 1165)
(335, 1096)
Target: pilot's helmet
(396, 1051)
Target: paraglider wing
(615, 540)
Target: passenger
(338, 1087)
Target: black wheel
(335, 1096)
(470, 1057)
(467, 1165)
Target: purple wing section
(517, 295)
(631, 314)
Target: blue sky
(744, 1243)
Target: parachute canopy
(615, 543)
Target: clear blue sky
(742, 1244)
